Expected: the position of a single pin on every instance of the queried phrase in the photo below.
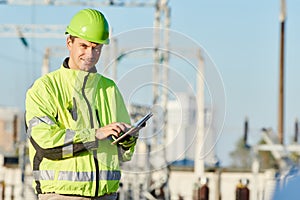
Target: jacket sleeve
(50, 138)
(123, 116)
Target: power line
(32, 30)
(93, 3)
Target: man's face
(84, 55)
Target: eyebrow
(83, 43)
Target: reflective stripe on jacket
(63, 110)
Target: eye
(83, 46)
(97, 48)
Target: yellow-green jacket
(63, 110)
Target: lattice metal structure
(94, 3)
(54, 31)
(161, 20)
(32, 30)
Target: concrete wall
(261, 186)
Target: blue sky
(241, 38)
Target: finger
(122, 127)
(117, 128)
(114, 133)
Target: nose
(89, 51)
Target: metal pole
(155, 77)
(296, 131)
(22, 157)
(199, 158)
(165, 73)
(165, 80)
(156, 58)
(281, 75)
(245, 131)
(115, 64)
(15, 130)
(46, 62)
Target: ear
(69, 43)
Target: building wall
(223, 184)
(181, 127)
(7, 129)
(181, 130)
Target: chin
(86, 68)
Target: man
(72, 114)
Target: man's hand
(113, 129)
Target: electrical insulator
(204, 192)
(242, 192)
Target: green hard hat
(90, 25)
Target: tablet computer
(135, 127)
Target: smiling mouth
(88, 61)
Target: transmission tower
(161, 33)
(94, 3)
(54, 31)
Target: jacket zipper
(92, 126)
